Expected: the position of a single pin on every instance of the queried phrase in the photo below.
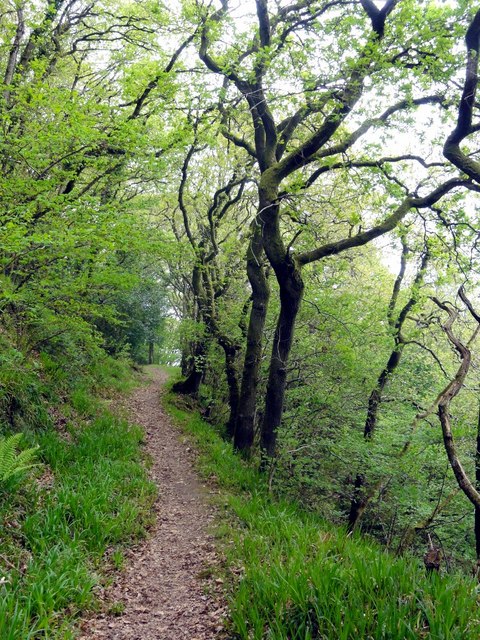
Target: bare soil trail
(162, 593)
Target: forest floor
(166, 590)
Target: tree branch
(451, 149)
(153, 84)
(445, 399)
(360, 239)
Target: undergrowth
(90, 494)
(293, 576)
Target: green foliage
(99, 497)
(299, 577)
(73, 253)
(21, 390)
(14, 463)
(140, 323)
(97, 247)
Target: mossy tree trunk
(245, 422)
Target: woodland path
(161, 589)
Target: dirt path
(162, 592)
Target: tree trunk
(358, 503)
(231, 357)
(291, 293)
(191, 385)
(361, 493)
(470, 489)
(232, 351)
(184, 363)
(376, 395)
(244, 426)
(197, 360)
(150, 352)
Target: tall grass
(54, 533)
(292, 576)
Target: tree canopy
(279, 197)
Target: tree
(209, 215)
(319, 127)
(74, 154)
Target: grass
(292, 576)
(54, 536)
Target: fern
(13, 463)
